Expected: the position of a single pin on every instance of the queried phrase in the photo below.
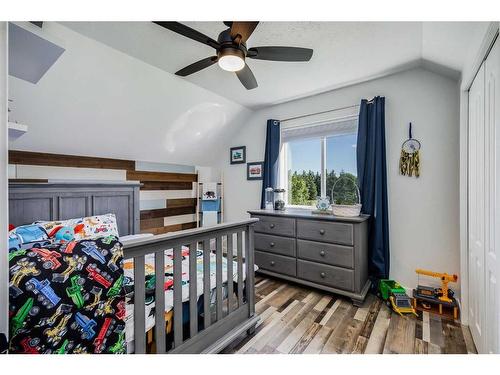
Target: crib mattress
(149, 272)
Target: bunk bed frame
(222, 321)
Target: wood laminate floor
(296, 319)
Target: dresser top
(304, 213)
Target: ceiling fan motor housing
(231, 54)
(226, 42)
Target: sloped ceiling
(98, 101)
(344, 53)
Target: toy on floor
(437, 300)
(395, 296)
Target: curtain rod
(320, 113)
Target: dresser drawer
(275, 244)
(327, 253)
(341, 233)
(275, 225)
(335, 277)
(276, 263)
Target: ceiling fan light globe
(231, 63)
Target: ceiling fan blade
(188, 32)
(243, 29)
(280, 53)
(247, 78)
(197, 66)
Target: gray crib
(233, 312)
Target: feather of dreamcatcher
(409, 161)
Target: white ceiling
(344, 53)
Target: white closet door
(476, 204)
(492, 168)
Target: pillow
(85, 228)
(28, 236)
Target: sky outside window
(341, 153)
(305, 155)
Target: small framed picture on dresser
(238, 155)
(255, 171)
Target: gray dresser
(322, 251)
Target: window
(341, 161)
(314, 155)
(304, 165)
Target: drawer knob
(271, 226)
(322, 253)
(323, 275)
(272, 263)
(321, 231)
(271, 244)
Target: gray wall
(424, 213)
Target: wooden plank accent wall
(161, 176)
(152, 220)
(152, 223)
(170, 228)
(28, 180)
(158, 185)
(174, 207)
(59, 160)
(181, 202)
(166, 212)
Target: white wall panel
(166, 194)
(12, 171)
(152, 204)
(180, 219)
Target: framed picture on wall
(255, 171)
(238, 155)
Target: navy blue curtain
(271, 158)
(372, 179)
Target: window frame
(307, 121)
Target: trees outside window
(307, 158)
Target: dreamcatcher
(409, 163)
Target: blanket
(169, 284)
(67, 297)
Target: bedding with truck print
(66, 297)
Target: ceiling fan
(231, 50)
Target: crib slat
(193, 290)
(249, 255)
(139, 311)
(206, 283)
(218, 276)
(229, 257)
(240, 268)
(160, 301)
(178, 295)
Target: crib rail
(221, 319)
